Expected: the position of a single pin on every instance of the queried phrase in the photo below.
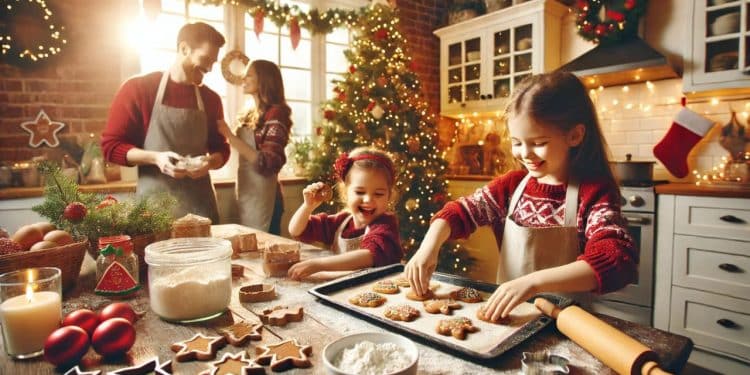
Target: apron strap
(198, 98)
(517, 194)
(163, 87)
(571, 203)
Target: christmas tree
(379, 103)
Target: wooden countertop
(723, 191)
(321, 325)
(118, 187)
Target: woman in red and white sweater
(557, 223)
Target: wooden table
(321, 325)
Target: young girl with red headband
(364, 234)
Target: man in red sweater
(158, 119)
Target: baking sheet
(490, 341)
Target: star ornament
(43, 130)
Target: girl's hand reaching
(509, 295)
(303, 269)
(419, 270)
(315, 194)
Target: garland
(22, 43)
(620, 19)
(315, 21)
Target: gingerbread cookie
(412, 295)
(281, 315)
(238, 270)
(240, 333)
(284, 355)
(404, 313)
(467, 294)
(401, 282)
(198, 347)
(152, 365)
(443, 305)
(236, 364)
(457, 327)
(367, 299)
(257, 293)
(482, 317)
(386, 287)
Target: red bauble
(108, 201)
(118, 310)
(615, 15)
(74, 212)
(393, 107)
(600, 29)
(342, 96)
(352, 69)
(83, 318)
(329, 114)
(66, 345)
(588, 28)
(381, 34)
(629, 4)
(114, 336)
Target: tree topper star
(43, 130)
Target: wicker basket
(67, 258)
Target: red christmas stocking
(687, 129)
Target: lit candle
(29, 318)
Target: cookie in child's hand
(445, 306)
(367, 299)
(467, 294)
(456, 327)
(386, 287)
(404, 313)
(324, 193)
(481, 316)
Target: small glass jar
(116, 267)
(189, 279)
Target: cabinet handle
(732, 219)
(489, 96)
(726, 323)
(463, 105)
(729, 267)
(482, 97)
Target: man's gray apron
(184, 131)
(256, 193)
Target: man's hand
(200, 170)
(165, 162)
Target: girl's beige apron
(256, 194)
(341, 244)
(184, 131)
(528, 249)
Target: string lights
(15, 44)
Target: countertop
(723, 191)
(322, 324)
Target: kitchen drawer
(725, 329)
(713, 217)
(713, 265)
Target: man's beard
(193, 73)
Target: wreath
(608, 21)
(28, 34)
(226, 66)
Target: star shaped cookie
(198, 347)
(240, 333)
(43, 130)
(77, 371)
(284, 355)
(152, 365)
(280, 315)
(236, 364)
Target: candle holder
(30, 309)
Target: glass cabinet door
(464, 70)
(722, 35)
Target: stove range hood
(628, 61)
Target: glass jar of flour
(189, 279)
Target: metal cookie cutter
(542, 363)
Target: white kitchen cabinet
(702, 283)
(717, 56)
(482, 59)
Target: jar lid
(187, 251)
(121, 241)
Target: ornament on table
(258, 18)
(75, 212)
(83, 318)
(687, 129)
(294, 32)
(66, 345)
(113, 336)
(43, 130)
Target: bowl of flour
(371, 353)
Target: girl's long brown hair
(270, 88)
(560, 100)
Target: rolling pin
(614, 348)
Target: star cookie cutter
(257, 293)
(539, 363)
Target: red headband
(344, 163)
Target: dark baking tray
(324, 291)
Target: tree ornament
(377, 112)
(380, 34)
(294, 32)
(83, 318)
(620, 20)
(352, 69)
(258, 18)
(382, 81)
(411, 204)
(66, 345)
(118, 310)
(329, 114)
(341, 97)
(412, 143)
(113, 336)
(75, 212)
(43, 130)
(29, 33)
(393, 107)
(233, 67)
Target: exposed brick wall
(419, 18)
(75, 87)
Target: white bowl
(333, 349)
(725, 24)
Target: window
(307, 71)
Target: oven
(635, 301)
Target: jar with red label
(116, 267)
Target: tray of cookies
(449, 319)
